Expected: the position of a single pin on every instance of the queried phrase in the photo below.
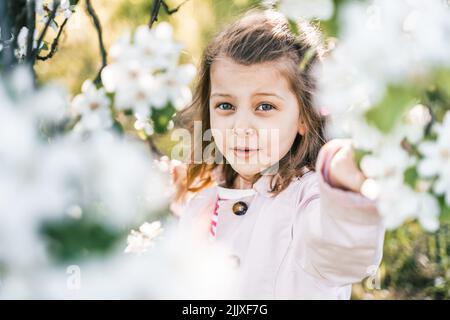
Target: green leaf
(358, 154)
(445, 210)
(386, 114)
(70, 239)
(161, 118)
(293, 27)
(410, 176)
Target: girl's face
(254, 114)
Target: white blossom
(388, 162)
(398, 202)
(140, 241)
(384, 44)
(44, 7)
(143, 123)
(173, 86)
(21, 50)
(158, 49)
(144, 73)
(363, 58)
(307, 9)
(414, 123)
(92, 105)
(436, 158)
(41, 180)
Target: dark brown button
(240, 208)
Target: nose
(243, 132)
(242, 126)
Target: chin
(247, 170)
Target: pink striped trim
(215, 213)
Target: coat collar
(262, 186)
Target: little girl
(287, 205)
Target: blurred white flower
(144, 73)
(143, 123)
(44, 7)
(119, 175)
(436, 159)
(363, 58)
(140, 241)
(398, 203)
(158, 49)
(173, 86)
(42, 180)
(92, 105)
(21, 50)
(181, 266)
(307, 9)
(354, 91)
(414, 123)
(63, 9)
(382, 44)
(428, 211)
(387, 162)
(22, 43)
(419, 115)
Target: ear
(301, 127)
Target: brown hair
(256, 37)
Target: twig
(155, 10)
(54, 46)
(98, 28)
(44, 31)
(171, 11)
(31, 22)
(153, 147)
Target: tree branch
(171, 11)
(98, 28)
(155, 10)
(54, 46)
(31, 24)
(153, 147)
(44, 31)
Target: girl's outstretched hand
(177, 171)
(344, 173)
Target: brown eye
(265, 107)
(224, 106)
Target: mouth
(244, 152)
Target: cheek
(287, 138)
(279, 139)
(220, 132)
(219, 137)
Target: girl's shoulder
(304, 188)
(199, 204)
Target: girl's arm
(339, 233)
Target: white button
(235, 260)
